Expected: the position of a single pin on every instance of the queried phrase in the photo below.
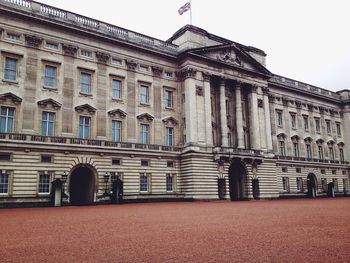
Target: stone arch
(311, 185)
(237, 179)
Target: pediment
(231, 55)
(55, 104)
(116, 112)
(170, 121)
(11, 97)
(85, 107)
(145, 117)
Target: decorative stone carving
(55, 104)
(321, 109)
(331, 112)
(285, 101)
(272, 98)
(157, 71)
(206, 76)
(10, 96)
(122, 114)
(229, 56)
(131, 64)
(69, 50)
(170, 121)
(298, 104)
(145, 117)
(310, 106)
(260, 103)
(265, 90)
(85, 107)
(102, 57)
(199, 91)
(33, 41)
(185, 73)
(253, 89)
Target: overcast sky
(307, 40)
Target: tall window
(50, 76)
(116, 89)
(295, 149)
(341, 154)
(328, 127)
(10, 71)
(306, 122)
(345, 185)
(116, 131)
(48, 123)
(84, 127)
(144, 133)
(4, 183)
(324, 184)
(168, 99)
(169, 182)
(143, 182)
(279, 118)
(85, 83)
(285, 183)
(308, 151)
(44, 183)
(144, 94)
(331, 152)
(320, 152)
(293, 120)
(7, 115)
(338, 129)
(169, 141)
(317, 125)
(335, 182)
(299, 184)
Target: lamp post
(64, 180)
(106, 179)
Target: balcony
(234, 151)
(303, 159)
(38, 139)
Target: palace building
(195, 117)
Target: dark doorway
(82, 186)
(311, 186)
(221, 188)
(256, 188)
(237, 174)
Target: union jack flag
(184, 8)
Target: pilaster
(239, 117)
(208, 113)
(223, 115)
(254, 119)
(267, 120)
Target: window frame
(120, 81)
(169, 103)
(169, 137)
(48, 121)
(47, 182)
(8, 58)
(279, 118)
(293, 120)
(306, 123)
(84, 125)
(81, 84)
(7, 117)
(8, 185)
(143, 132)
(142, 184)
(144, 98)
(169, 181)
(46, 78)
(116, 129)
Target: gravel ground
(299, 230)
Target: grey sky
(307, 40)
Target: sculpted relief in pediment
(229, 56)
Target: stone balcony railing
(37, 9)
(90, 142)
(233, 151)
(303, 86)
(304, 159)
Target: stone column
(254, 119)
(223, 115)
(346, 129)
(239, 117)
(267, 120)
(208, 113)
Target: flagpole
(190, 13)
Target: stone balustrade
(304, 159)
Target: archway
(237, 174)
(311, 185)
(82, 185)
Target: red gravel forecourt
(298, 230)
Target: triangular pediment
(116, 112)
(85, 107)
(145, 117)
(55, 104)
(170, 121)
(231, 55)
(11, 97)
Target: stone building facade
(195, 117)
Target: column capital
(206, 76)
(265, 90)
(253, 88)
(185, 73)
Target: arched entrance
(311, 185)
(82, 185)
(237, 174)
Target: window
(44, 183)
(7, 115)
(229, 139)
(334, 171)
(116, 61)
(299, 184)
(85, 53)
(116, 89)
(282, 148)
(143, 182)
(116, 161)
(284, 170)
(341, 154)
(48, 123)
(169, 182)
(306, 122)
(12, 36)
(144, 162)
(116, 131)
(4, 183)
(169, 139)
(5, 157)
(324, 184)
(285, 184)
(298, 170)
(279, 118)
(331, 153)
(344, 172)
(46, 158)
(144, 133)
(84, 127)
(144, 94)
(335, 182)
(168, 74)
(50, 76)
(227, 106)
(328, 127)
(293, 120)
(85, 83)
(317, 125)
(51, 45)
(308, 151)
(295, 149)
(168, 98)
(338, 129)
(320, 152)
(323, 171)
(170, 164)
(345, 185)
(10, 71)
